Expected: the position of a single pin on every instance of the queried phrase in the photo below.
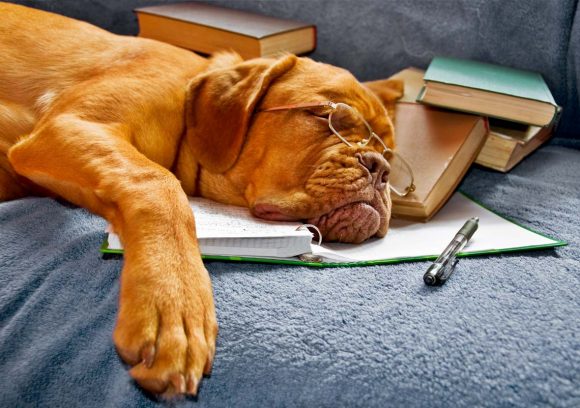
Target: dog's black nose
(378, 166)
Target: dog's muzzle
(353, 223)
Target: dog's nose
(377, 166)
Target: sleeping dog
(128, 127)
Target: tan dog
(126, 127)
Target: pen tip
(429, 280)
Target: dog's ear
(220, 104)
(388, 91)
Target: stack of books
(520, 106)
(459, 112)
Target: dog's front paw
(167, 328)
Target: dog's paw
(167, 328)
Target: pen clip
(448, 269)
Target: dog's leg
(166, 325)
(15, 120)
(10, 189)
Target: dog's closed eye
(319, 111)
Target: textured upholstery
(502, 332)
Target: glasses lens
(349, 124)
(401, 176)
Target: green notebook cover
(489, 77)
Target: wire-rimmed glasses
(345, 120)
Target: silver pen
(444, 266)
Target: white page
(407, 239)
(215, 220)
(229, 230)
(263, 247)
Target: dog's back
(47, 56)
(42, 51)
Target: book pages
(216, 220)
(233, 231)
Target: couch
(502, 332)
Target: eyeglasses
(344, 120)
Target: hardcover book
(206, 28)
(440, 146)
(509, 143)
(412, 78)
(489, 90)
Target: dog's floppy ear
(220, 104)
(388, 91)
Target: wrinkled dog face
(292, 167)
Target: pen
(444, 266)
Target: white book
(228, 232)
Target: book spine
(210, 27)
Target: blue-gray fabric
(376, 38)
(570, 125)
(503, 331)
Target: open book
(227, 230)
(232, 233)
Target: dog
(128, 127)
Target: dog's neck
(186, 168)
(197, 181)
(220, 188)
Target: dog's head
(287, 164)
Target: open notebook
(231, 233)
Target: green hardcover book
(489, 90)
